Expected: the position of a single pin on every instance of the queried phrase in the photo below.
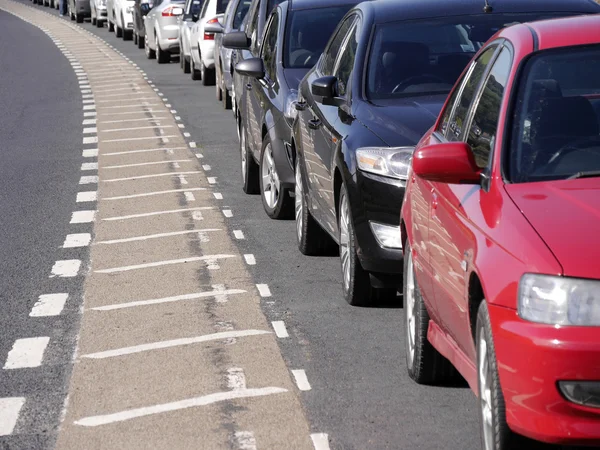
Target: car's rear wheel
(150, 54)
(186, 64)
(79, 18)
(161, 56)
(250, 181)
(195, 73)
(94, 21)
(226, 99)
(118, 30)
(276, 200)
(99, 23)
(127, 34)
(111, 26)
(312, 239)
(424, 363)
(208, 75)
(140, 42)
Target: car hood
(566, 215)
(403, 121)
(293, 77)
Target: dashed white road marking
(88, 107)
(250, 259)
(192, 145)
(90, 196)
(90, 140)
(245, 440)
(218, 195)
(236, 379)
(263, 290)
(301, 380)
(154, 163)
(83, 216)
(27, 353)
(89, 122)
(197, 215)
(65, 268)
(49, 305)
(89, 166)
(208, 259)
(176, 298)
(89, 114)
(189, 197)
(158, 213)
(239, 234)
(206, 167)
(156, 175)
(199, 155)
(174, 343)
(10, 408)
(150, 194)
(211, 180)
(156, 236)
(77, 240)
(90, 153)
(320, 441)
(88, 179)
(227, 213)
(90, 130)
(280, 329)
(162, 149)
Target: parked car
(232, 20)
(373, 94)
(78, 9)
(253, 26)
(98, 12)
(294, 38)
(500, 231)
(119, 15)
(191, 13)
(202, 56)
(140, 9)
(162, 31)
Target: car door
(317, 124)
(196, 33)
(456, 209)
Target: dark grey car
(296, 34)
(79, 9)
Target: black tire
(162, 57)
(94, 21)
(195, 74)
(218, 92)
(226, 99)
(250, 182)
(208, 75)
(426, 365)
(312, 239)
(140, 42)
(501, 436)
(150, 54)
(127, 34)
(186, 65)
(135, 37)
(99, 23)
(78, 18)
(118, 31)
(111, 26)
(284, 205)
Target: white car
(191, 13)
(98, 11)
(203, 42)
(120, 17)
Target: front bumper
(532, 359)
(373, 200)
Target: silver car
(191, 13)
(162, 30)
(98, 12)
(234, 16)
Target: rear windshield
(307, 34)
(240, 13)
(222, 6)
(410, 58)
(557, 129)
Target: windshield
(557, 128)
(307, 34)
(427, 57)
(222, 6)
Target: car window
(271, 6)
(556, 128)
(463, 102)
(193, 7)
(307, 33)
(482, 132)
(252, 28)
(202, 14)
(269, 48)
(333, 49)
(451, 104)
(345, 63)
(222, 6)
(240, 13)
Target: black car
(140, 9)
(376, 89)
(296, 34)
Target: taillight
(172, 11)
(211, 36)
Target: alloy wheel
(298, 193)
(345, 241)
(485, 393)
(270, 178)
(409, 304)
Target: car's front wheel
(78, 18)
(195, 73)
(276, 200)
(140, 41)
(111, 27)
(208, 75)
(150, 54)
(118, 30)
(161, 56)
(250, 182)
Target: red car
(501, 225)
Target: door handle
(314, 124)
(249, 86)
(300, 106)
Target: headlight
(559, 301)
(290, 112)
(391, 162)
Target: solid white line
(177, 298)
(77, 240)
(131, 90)
(167, 150)
(49, 305)
(158, 213)
(26, 353)
(123, 166)
(156, 175)
(150, 194)
(227, 213)
(320, 441)
(83, 216)
(90, 153)
(141, 106)
(245, 440)
(124, 113)
(263, 290)
(146, 138)
(65, 268)
(174, 343)
(280, 329)
(171, 262)
(89, 166)
(142, 119)
(88, 179)
(89, 196)
(218, 195)
(250, 260)
(204, 400)
(155, 236)
(154, 127)
(10, 408)
(126, 98)
(301, 380)
(90, 140)
(239, 234)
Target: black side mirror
(236, 40)
(252, 67)
(195, 17)
(326, 92)
(215, 28)
(145, 8)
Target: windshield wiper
(589, 174)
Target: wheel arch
(475, 296)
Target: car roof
(566, 32)
(297, 5)
(396, 10)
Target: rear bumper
(83, 7)
(207, 52)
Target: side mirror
(216, 28)
(451, 162)
(195, 17)
(252, 67)
(236, 40)
(325, 91)
(145, 8)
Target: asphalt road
(40, 159)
